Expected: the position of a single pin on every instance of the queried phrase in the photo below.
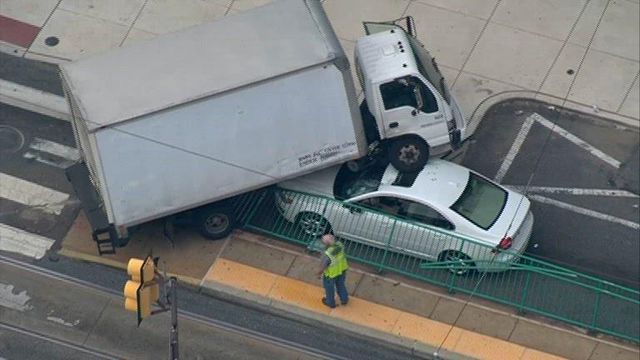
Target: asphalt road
(19, 131)
(593, 230)
(18, 343)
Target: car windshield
(349, 184)
(481, 202)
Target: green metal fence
(447, 259)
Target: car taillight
(505, 243)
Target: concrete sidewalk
(586, 51)
(412, 314)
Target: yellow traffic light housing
(142, 290)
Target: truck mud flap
(104, 234)
(78, 176)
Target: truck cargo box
(212, 111)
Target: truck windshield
(349, 184)
(408, 91)
(481, 202)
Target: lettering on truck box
(325, 153)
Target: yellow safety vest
(338, 264)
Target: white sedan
(445, 213)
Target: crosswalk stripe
(55, 148)
(19, 241)
(62, 164)
(32, 194)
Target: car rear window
(481, 202)
(349, 184)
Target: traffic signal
(142, 290)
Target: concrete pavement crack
(95, 324)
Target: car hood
(318, 183)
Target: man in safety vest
(333, 271)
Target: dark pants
(330, 287)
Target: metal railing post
(596, 308)
(386, 248)
(525, 292)
(255, 208)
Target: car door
(372, 219)
(406, 24)
(412, 236)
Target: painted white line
(56, 149)
(32, 194)
(575, 191)
(62, 164)
(515, 148)
(584, 211)
(576, 140)
(22, 242)
(34, 100)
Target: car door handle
(393, 125)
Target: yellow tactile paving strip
(369, 314)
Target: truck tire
(215, 222)
(409, 154)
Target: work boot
(324, 301)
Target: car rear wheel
(459, 263)
(313, 224)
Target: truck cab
(408, 109)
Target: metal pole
(174, 318)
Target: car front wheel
(458, 263)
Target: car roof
(440, 183)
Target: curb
(228, 293)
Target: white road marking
(576, 140)
(23, 242)
(575, 191)
(61, 321)
(515, 148)
(34, 100)
(14, 301)
(32, 194)
(584, 211)
(62, 164)
(59, 150)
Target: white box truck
(183, 123)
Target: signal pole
(173, 299)
(143, 290)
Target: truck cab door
(406, 24)
(409, 106)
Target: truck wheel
(215, 222)
(408, 154)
